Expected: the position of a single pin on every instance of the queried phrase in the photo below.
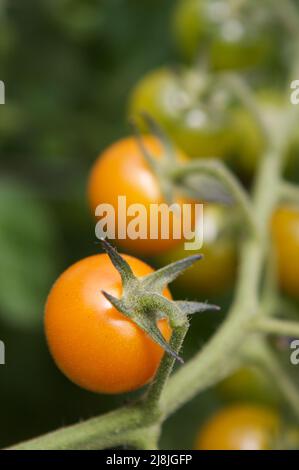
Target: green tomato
(190, 108)
(249, 384)
(249, 142)
(215, 274)
(230, 34)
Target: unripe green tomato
(230, 34)
(215, 274)
(249, 142)
(193, 111)
(249, 384)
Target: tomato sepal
(142, 300)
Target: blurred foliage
(68, 66)
(27, 241)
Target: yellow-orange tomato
(285, 232)
(216, 273)
(240, 427)
(121, 170)
(92, 343)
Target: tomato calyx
(143, 302)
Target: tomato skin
(215, 274)
(93, 344)
(232, 37)
(176, 100)
(248, 384)
(239, 427)
(285, 235)
(121, 170)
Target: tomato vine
(251, 314)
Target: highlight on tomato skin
(93, 344)
(240, 427)
(134, 180)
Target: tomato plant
(93, 344)
(121, 170)
(240, 427)
(232, 34)
(193, 111)
(107, 329)
(216, 273)
(285, 233)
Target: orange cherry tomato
(121, 170)
(216, 273)
(285, 232)
(93, 344)
(240, 427)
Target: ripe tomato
(233, 34)
(249, 384)
(193, 113)
(240, 427)
(216, 272)
(285, 233)
(92, 343)
(121, 170)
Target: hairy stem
(109, 430)
(278, 327)
(217, 170)
(155, 390)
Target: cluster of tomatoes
(94, 344)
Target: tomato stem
(156, 388)
(216, 169)
(278, 327)
(289, 193)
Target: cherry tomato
(193, 111)
(121, 170)
(285, 233)
(240, 427)
(93, 344)
(216, 272)
(232, 34)
(249, 384)
(249, 142)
